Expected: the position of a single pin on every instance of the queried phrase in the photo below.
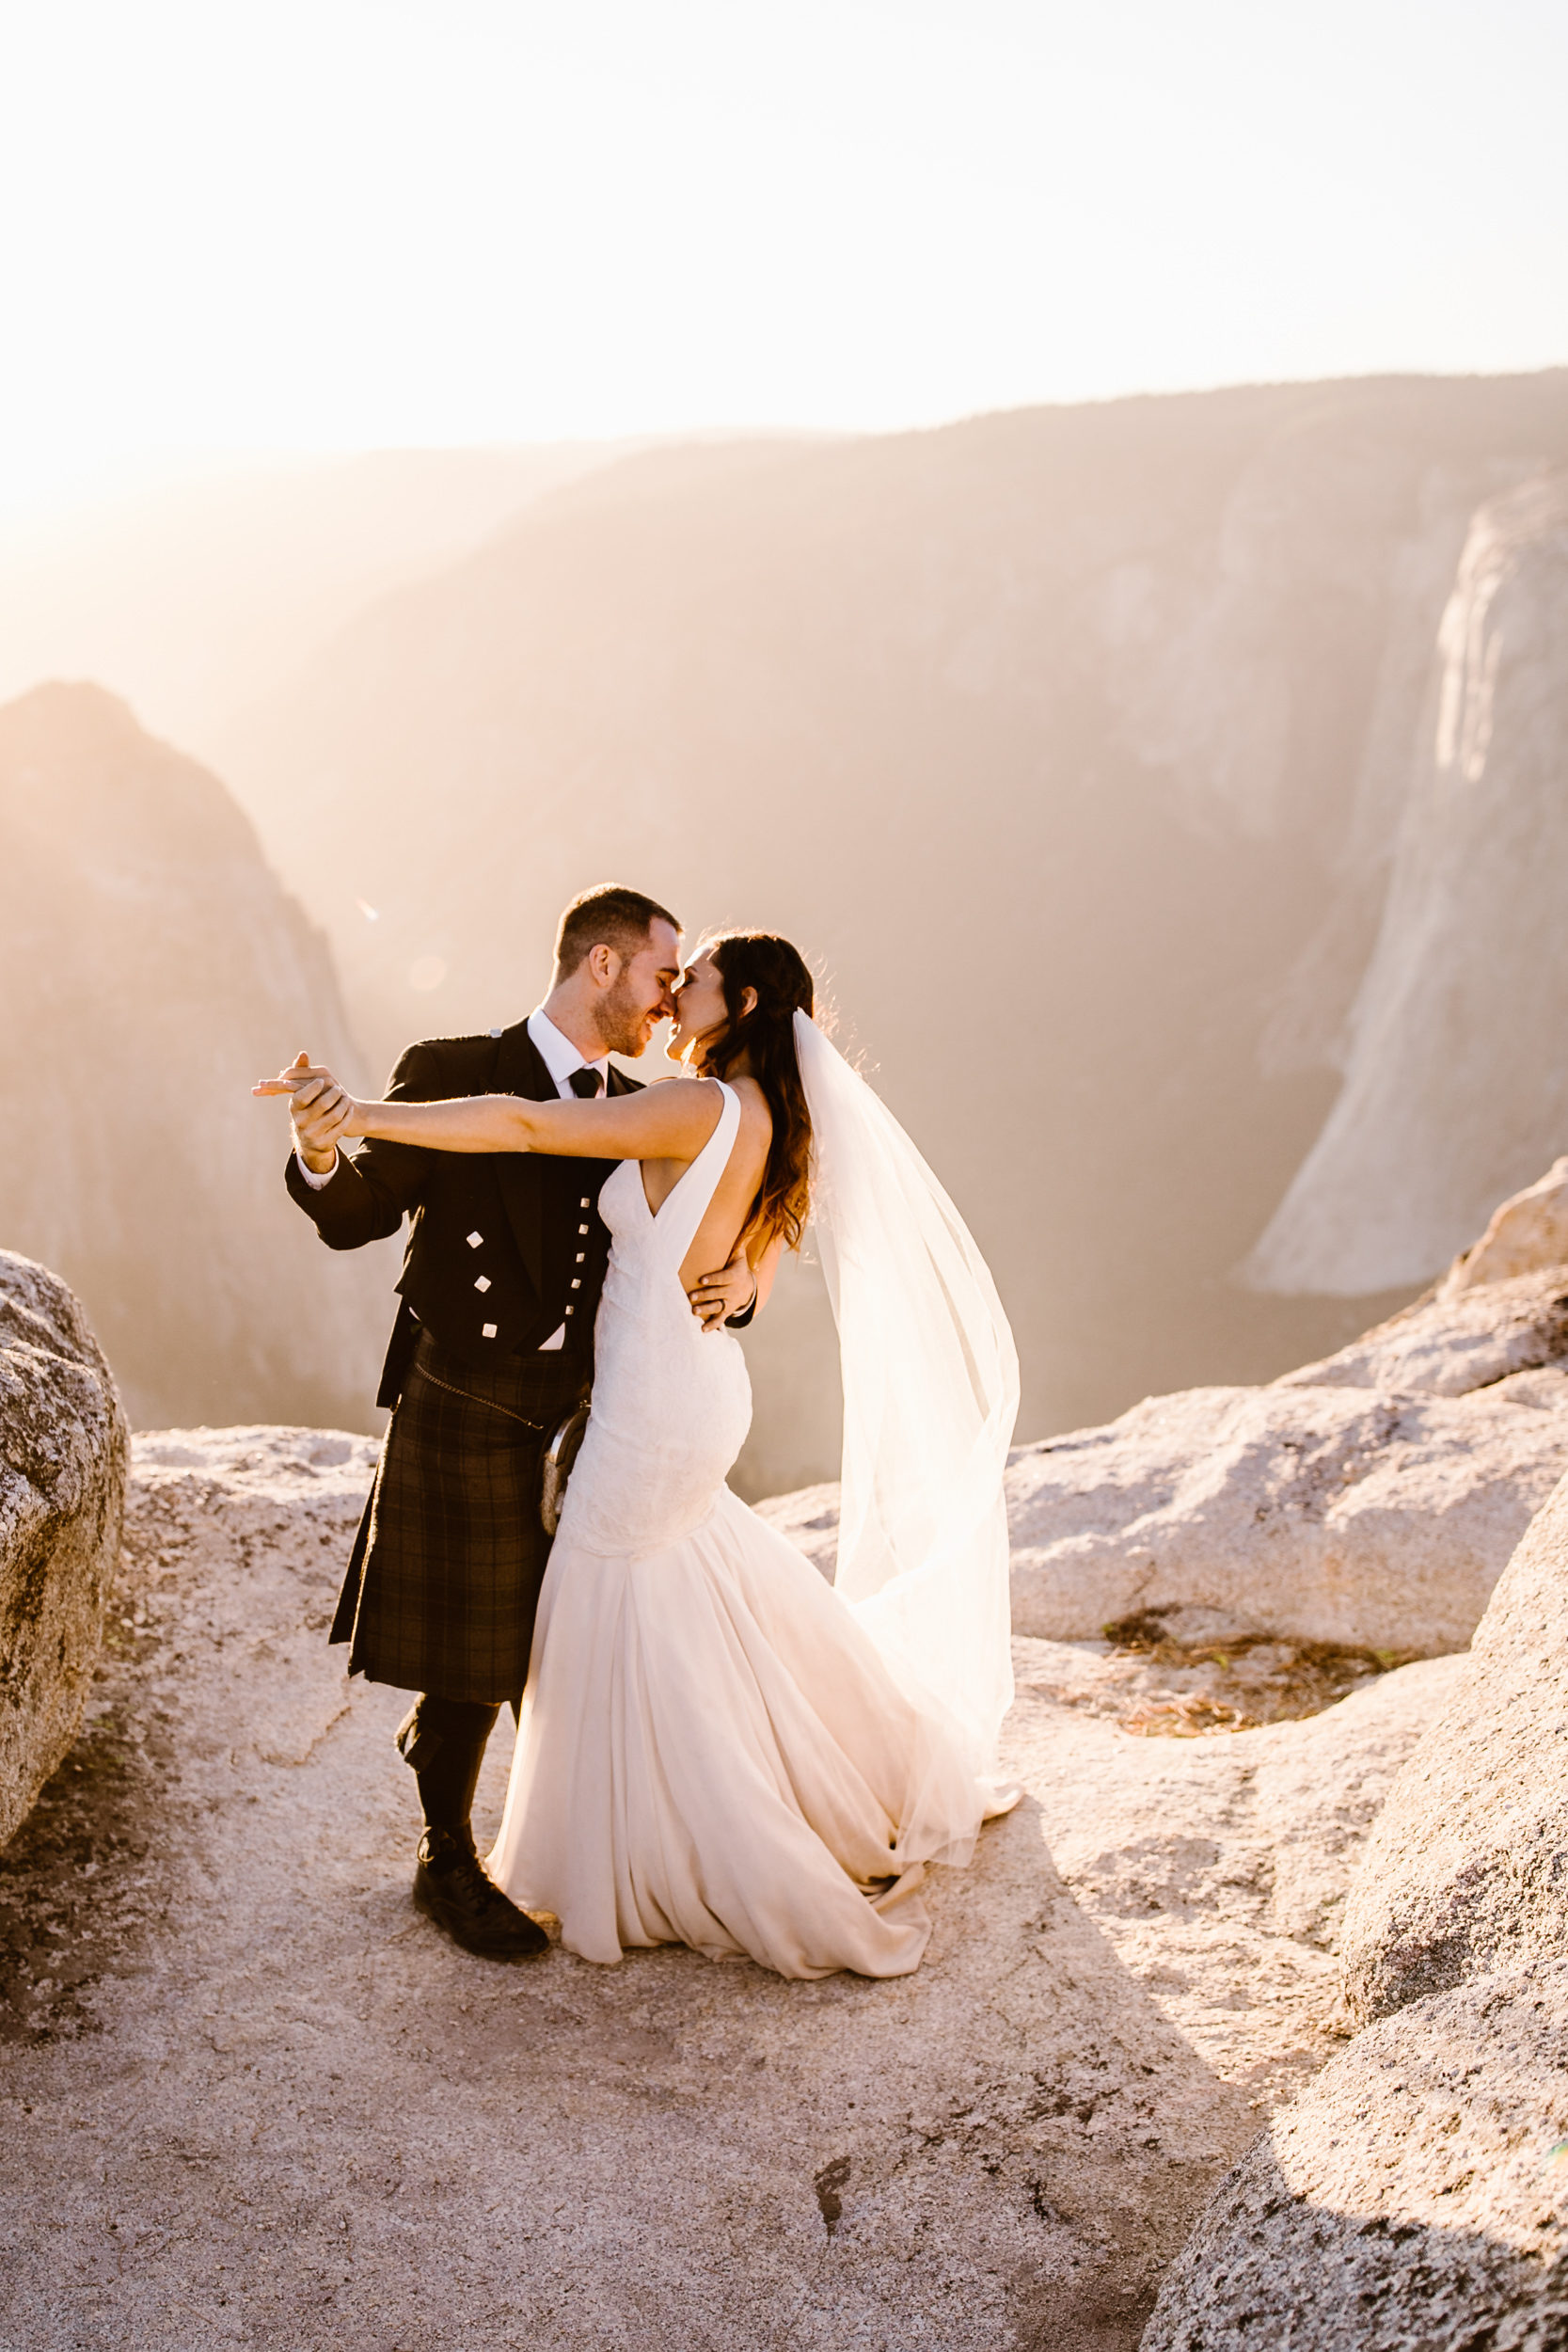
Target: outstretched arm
(670, 1121)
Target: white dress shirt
(561, 1058)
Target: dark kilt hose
(504, 1248)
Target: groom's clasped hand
(319, 1108)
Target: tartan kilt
(444, 1579)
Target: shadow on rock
(1415, 2195)
(89, 1873)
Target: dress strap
(676, 1226)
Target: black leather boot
(452, 1886)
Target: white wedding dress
(714, 1749)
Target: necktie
(585, 1083)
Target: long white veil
(930, 1395)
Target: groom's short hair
(611, 915)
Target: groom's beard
(620, 1019)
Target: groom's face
(642, 993)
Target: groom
(493, 1344)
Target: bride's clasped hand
(717, 1747)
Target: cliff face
(1456, 1086)
(1072, 744)
(152, 967)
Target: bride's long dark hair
(778, 972)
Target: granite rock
(62, 1480)
(1529, 1230)
(1370, 1519)
(1461, 1337)
(1414, 2196)
(1218, 1868)
(1467, 1870)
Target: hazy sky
(347, 223)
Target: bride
(716, 1747)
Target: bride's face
(700, 1009)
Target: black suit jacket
(496, 1240)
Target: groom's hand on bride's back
(318, 1106)
(715, 1297)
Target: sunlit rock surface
(252, 2095)
(62, 1480)
(1527, 1231)
(152, 968)
(1456, 1086)
(1468, 1870)
(1460, 1343)
(1417, 2194)
(1375, 1520)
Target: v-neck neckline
(653, 1215)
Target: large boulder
(1528, 1230)
(1416, 2196)
(1373, 1518)
(1460, 1339)
(63, 1451)
(1467, 1870)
